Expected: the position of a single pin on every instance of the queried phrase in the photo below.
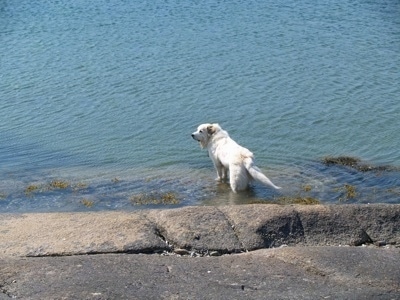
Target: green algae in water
(88, 203)
(54, 185)
(59, 184)
(79, 186)
(350, 192)
(297, 200)
(356, 163)
(31, 189)
(115, 180)
(341, 161)
(287, 200)
(168, 198)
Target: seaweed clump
(58, 184)
(287, 200)
(53, 185)
(88, 203)
(168, 198)
(341, 161)
(297, 200)
(355, 163)
(350, 192)
(31, 188)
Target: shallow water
(95, 91)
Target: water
(103, 95)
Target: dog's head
(205, 132)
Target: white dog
(226, 155)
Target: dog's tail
(256, 174)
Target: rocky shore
(229, 252)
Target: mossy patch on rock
(356, 163)
(341, 160)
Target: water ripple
(122, 85)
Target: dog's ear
(211, 129)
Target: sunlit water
(103, 95)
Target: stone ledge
(280, 273)
(226, 229)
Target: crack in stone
(233, 226)
(363, 238)
(160, 232)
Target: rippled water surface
(103, 96)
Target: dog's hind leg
(238, 177)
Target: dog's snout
(194, 136)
